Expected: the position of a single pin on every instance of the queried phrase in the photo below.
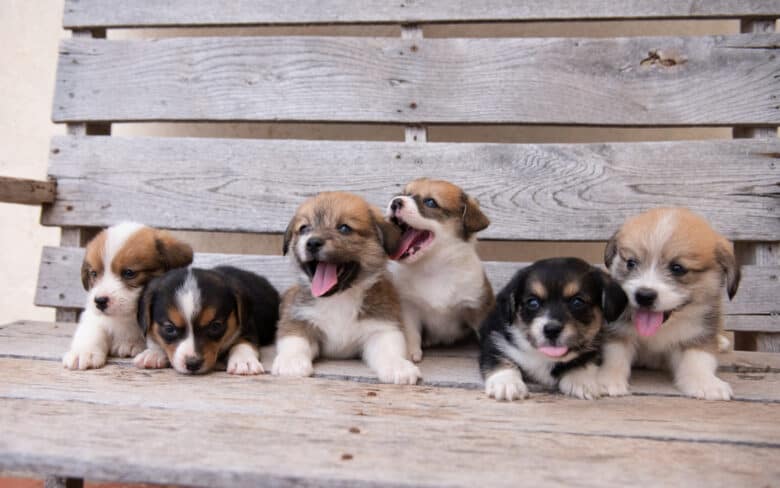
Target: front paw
(151, 359)
(84, 359)
(127, 349)
(506, 385)
(416, 354)
(707, 388)
(612, 384)
(292, 365)
(244, 366)
(581, 384)
(400, 372)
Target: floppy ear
(288, 237)
(724, 254)
(173, 252)
(506, 300)
(613, 298)
(473, 218)
(85, 275)
(145, 304)
(389, 234)
(611, 250)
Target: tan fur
(538, 289)
(93, 260)
(571, 289)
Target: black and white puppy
(548, 325)
(194, 317)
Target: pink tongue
(647, 322)
(554, 352)
(406, 242)
(325, 278)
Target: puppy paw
(612, 384)
(292, 365)
(151, 359)
(708, 388)
(506, 384)
(416, 355)
(400, 372)
(127, 349)
(245, 366)
(581, 383)
(84, 359)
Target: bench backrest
(533, 192)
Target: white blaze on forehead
(660, 234)
(116, 236)
(188, 298)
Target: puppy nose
(645, 296)
(396, 204)
(552, 330)
(314, 244)
(193, 363)
(101, 303)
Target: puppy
(118, 262)
(445, 294)
(193, 317)
(673, 267)
(345, 304)
(548, 325)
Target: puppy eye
(128, 274)
(215, 329)
(169, 330)
(577, 303)
(304, 229)
(344, 229)
(533, 304)
(677, 269)
(430, 203)
(93, 274)
(631, 264)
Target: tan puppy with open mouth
(345, 304)
(673, 267)
(444, 292)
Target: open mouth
(413, 241)
(648, 322)
(329, 278)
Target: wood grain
(529, 191)
(147, 13)
(30, 192)
(724, 80)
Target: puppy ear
(613, 298)
(288, 237)
(85, 275)
(611, 250)
(389, 234)
(173, 252)
(473, 218)
(724, 254)
(145, 304)
(506, 300)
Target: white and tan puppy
(344, 305)
(673, 267)
(444, 292)
(118, 262)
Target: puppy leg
(89, 348)
(412, 333)
(294, 356)
(505, 383)
(153, 357)
(694, 374)
(127, 340)
(243, 359)
(615, 368)
(581, 383)
(385, 353)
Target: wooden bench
(119, 423)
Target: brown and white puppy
(444, 292)
(118, 262)
(673, 266)
(193, 317)
(344, 304)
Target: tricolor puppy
(548, 326)
(194, 317)
(673, 266)
(445, 294)
(118, 262)
(345, 304)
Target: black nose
(645, 297)
(101, 303)
(396, 204)
(193, 364)
(314, 244)
(552, 330)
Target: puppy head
(667, 259)
(559, 305)
(431, 213)
(194, 315)
(338, 240)
(121, 259)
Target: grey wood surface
(650, 81)
(529, 191)
(144, 13)
(59, 283)
(26, 191)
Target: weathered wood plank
(30, 192)
(724, 80)
(148, 13)
(529, 191)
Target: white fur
(581, 382)
(532, 362)
(243, 360)
(694, 375)
(153, 357)
(294, 356)
(188, 301)
(506, 384)
(615, 369)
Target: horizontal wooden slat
(532, 192)
(146, 13)
(31, 192)
(651, 81)
(59, 284)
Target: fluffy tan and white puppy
(673, 267)
(344, 305)
(118, 262)
(444, 292)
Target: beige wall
(30, 32)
